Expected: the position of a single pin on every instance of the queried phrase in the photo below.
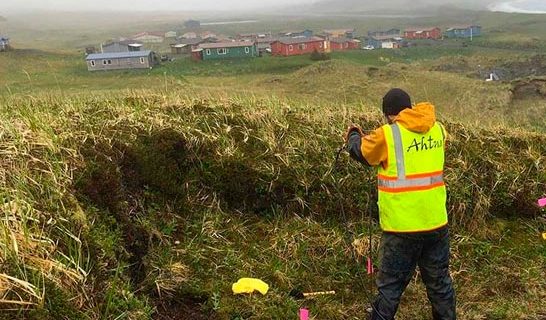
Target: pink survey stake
(542, 202)
(370, 266)
(304, 314)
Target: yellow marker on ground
(249, 285)
(544, 236)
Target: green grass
(149, 203)
(146, 194)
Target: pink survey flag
(542, 202)
(304, 314)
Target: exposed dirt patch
(245, 189)
(529, 88)
(184, 308)
(118, 177)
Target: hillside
(144, 194)
(394, 6)
(148, 204)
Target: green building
(226, 50)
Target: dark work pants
(400, 254)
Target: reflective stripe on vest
(402, 182)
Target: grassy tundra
(138, 195)
(150, 204)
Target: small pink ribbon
(370, 266)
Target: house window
(92, 63)
(142, 60)
(109, 61)
(208, 52)
(104, 62)
(247, 50)
(221, 51)
(291, 48)
(320, 45)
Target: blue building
(463, 32)
(384, 42)
(305, 33)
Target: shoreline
(512, 7)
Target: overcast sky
(71, 5)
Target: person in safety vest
(409, 155)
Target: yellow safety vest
(412, 193)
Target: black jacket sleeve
(354, 144)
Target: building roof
(155, 34)
(384, 31)
(266, 40)
(339, 30)
(342, 40)
(232, 44)
(295, 31)
(208, 34)
(299, 40)
(118, 55)
(419, 29)
(191, 41)
(130, 43)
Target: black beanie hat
(395, 101)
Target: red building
(298, 46)
(341, 44)
(423, 33)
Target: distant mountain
(394, 6)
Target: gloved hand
(352, 128)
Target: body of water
(521, 6)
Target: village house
(468, 31)
(298, 46)
(171, 34)
(121, 46)
(423, 33)
(306, 33)
(189, 35)
(263, 40)
(384, 42)
(264, 44)
(185, 46)
(120, 60)
(341, 44)
(149, 37)
(225, 50)
(208, 34)
(340, 33)
(254, 36)
(385, 33)
(4, 43)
